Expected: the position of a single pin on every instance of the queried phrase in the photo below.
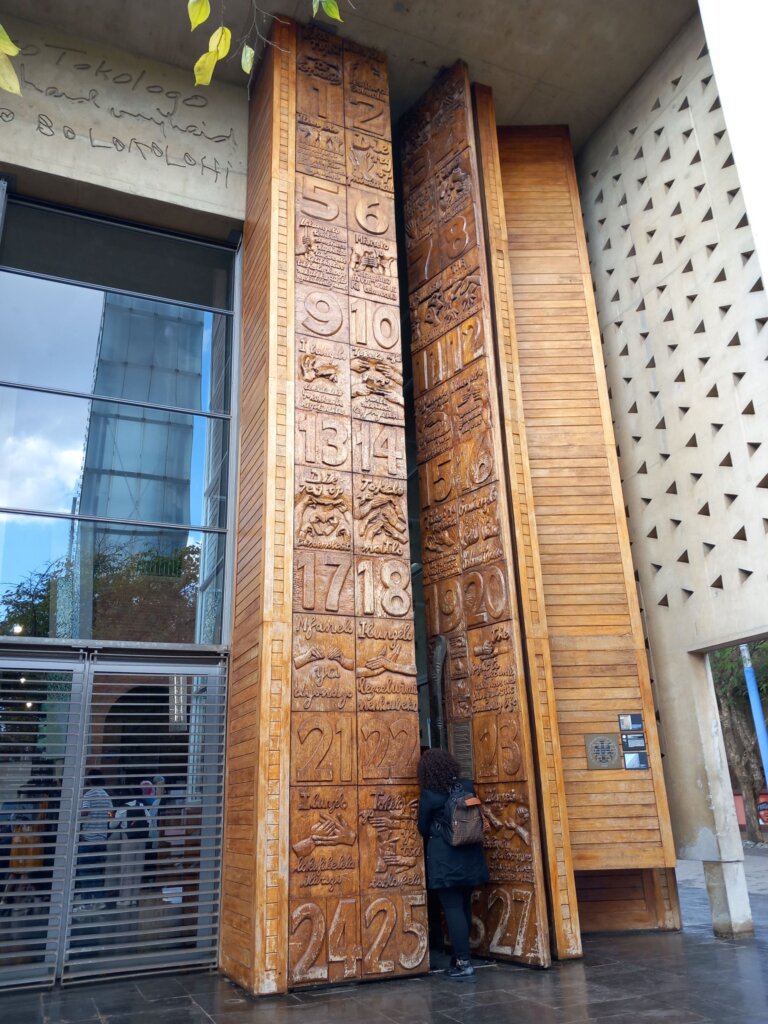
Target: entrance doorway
(111, 796)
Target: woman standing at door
(452, 871)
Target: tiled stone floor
(682, 978)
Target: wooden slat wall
(253, 944)
(628, 900)
(618, 818)
(554, 814)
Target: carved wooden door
(467, 552)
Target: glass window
(72, 338)
(74, 579)
(114, 430)
(70, 455)
(58, 244)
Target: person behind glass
(452, 871)
(92, 849)
(132, 824)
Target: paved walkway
(687, 977)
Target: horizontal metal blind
(145, 877)
(40, 719)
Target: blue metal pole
(756, 705)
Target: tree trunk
(739, 743)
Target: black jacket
(448, 865)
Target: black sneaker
(462, 970)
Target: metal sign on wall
(357, 899)
(465, 524)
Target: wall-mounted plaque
(633, 741)
(630, 723)
(603, 750)
(637, 761)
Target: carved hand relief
(493, 676)
(324, 940)
(322, 376)
(369, 161)
(324, 847)
(434, 423)
(388, 745)
(381, 516)
(323, 663)
(386, 670)
(394, 931)
(391, 849)
(322, 313)
(323, 440)
(378, 449)
(323, 582)
(508, 843)
(479, 527)
(323, 510)
(377, 385)
(375, 326)
(382, 587)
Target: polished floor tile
(672, 978)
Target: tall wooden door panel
(467, 555)
(356, 878)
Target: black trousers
(456, 902)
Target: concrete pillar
(698, 783)
(727, 890)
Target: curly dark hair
(438, 770)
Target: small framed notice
(630, 723)
(637, 761)
(633, 741)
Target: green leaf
(9, 80)
(246, 59)
(199, 11)
(315, 7)
(204, 68)
(220, 42)
(6, 46)
(331, 8)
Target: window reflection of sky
(50, 338)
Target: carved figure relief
(492, 669)
(377, 386)
(323, 510)
(440, 552)
(479, 527)
(434, 423)
(373, 267)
